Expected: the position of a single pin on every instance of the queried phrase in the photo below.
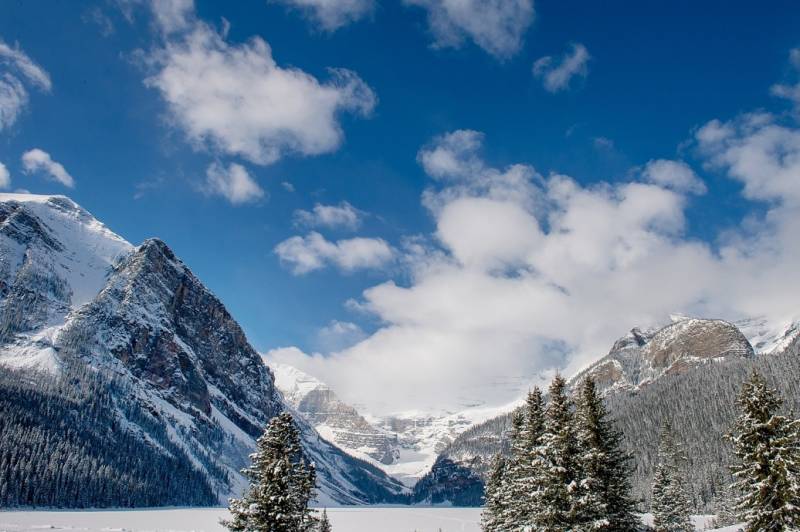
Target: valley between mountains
(115, 356)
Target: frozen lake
(348, 519)
(361, 519)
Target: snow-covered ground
(352, 519)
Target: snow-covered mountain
(404, 445)
(74, 294)
(641, 357)
(335, 421)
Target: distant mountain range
(405, 445)
(175, 375)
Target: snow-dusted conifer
(670, 505)
(281, 484)
(558, 452)
(494, 496)
(605, 501)
(768, 469)
(324, 522)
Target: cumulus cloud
(675, 175)
(331, 15)
(5, 177)
(304, 254)
(37, 160)
(343, 216)
(17, 70)
(556, 76)
(497, 26)
(234, 183)
(524, 273)
(235, 98)
(789, 91)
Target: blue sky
(650, 76)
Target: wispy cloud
(17, 71)
(497, 26)
(556, 75)
(343, 216)
(304, 254)
(330, 15)
(37, 160)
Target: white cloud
(332, 14)
(5, 176)
(287, 186)
(17, 69)
(339, 335)
(235, 99)
(790, 92)
(234, 183)
(675, 175)
(497, 26)
(343, 216)
(314, 252)
(37, 160)
(550, 275)
(557, 77)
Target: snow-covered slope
(74, 293)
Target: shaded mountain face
(180, 377)
(640, 378)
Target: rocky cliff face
(73, 293)
(635, 362)
(641, 357)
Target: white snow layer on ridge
(90, 248)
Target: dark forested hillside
(67, 442)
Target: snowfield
(351, 519)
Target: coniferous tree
(670, 505)
(324, 523)
(559, 465)
(281, 484)
(767, 446)
(494, 496)
(605, 502)
(725, 513)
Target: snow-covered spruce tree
(605, 501)
(767, 447)
(670, 505)
(521, 488)
(324, 523)
(724, 506)
(557, 502)
(281, 484)
(494, 497)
